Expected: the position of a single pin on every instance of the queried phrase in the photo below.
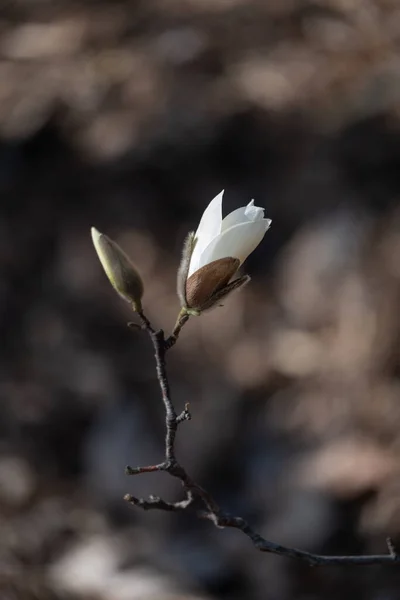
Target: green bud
(123, 276)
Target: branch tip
(392, 549)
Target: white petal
(254, 213)
(238, 241)
(209, 227)
(242, 215)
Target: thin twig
(264, 545)
(173, 338)
(156, 503)
(193, 490)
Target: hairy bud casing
(183, 270)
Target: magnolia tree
(208, 273)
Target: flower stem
(183, 317)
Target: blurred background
(131, 116)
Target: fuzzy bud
(183, 270)
(123, 276)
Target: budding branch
(193, 491)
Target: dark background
(131, 116)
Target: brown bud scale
(204, 283)
(221, 294)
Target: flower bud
(123, 276)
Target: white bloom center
(236, 236)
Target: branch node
(392, 549)
(171, 466)
(154, 499)
(131, 499)
(185, 414)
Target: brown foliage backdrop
(131, 116)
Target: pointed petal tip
(267, 223)
(95, 233)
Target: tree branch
(194, 491)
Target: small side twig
(193, 490)
(185, 414)
(155, 502)
(138, 470)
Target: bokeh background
(131, 116)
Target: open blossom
(215, 252)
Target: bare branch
(193, 490)
(315, 560)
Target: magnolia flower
(215, 252)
